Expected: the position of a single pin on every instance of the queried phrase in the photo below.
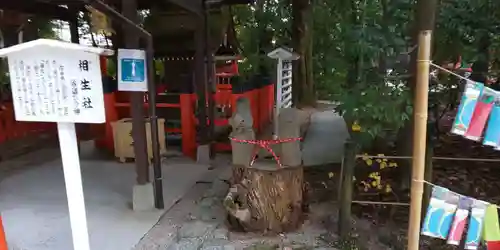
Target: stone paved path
(197, 222)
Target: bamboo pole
(420, 137)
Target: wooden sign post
(54, 81)
(419, 137)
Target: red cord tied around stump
(266, 144)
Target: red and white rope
(265, 144)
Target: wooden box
(124, 143)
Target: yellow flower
(379, 187)
(374, 176)
(331, 175)
(383, 165)
(379, 160)
(374, 184)
(369, 162)
(393, 164)
(384, 160)
(388, 188)
(355, 127)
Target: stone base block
(143, 197)
(203, 154)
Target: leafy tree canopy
(361, 52)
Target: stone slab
(143, 198)
(324, 140)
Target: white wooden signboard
(54, 81)
(51, 86)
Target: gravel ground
(198, 222)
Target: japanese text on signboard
(48, 87)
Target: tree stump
(267, 199)
(265, 196)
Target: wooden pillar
(73, 28)
(210, 80)
(129, 10)
(201, 79)
(9, 33)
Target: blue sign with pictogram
(132, 73)
(133, 70)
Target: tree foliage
(361, 52)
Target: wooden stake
(420, 137)
(346, 186)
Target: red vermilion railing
(10, 129)
(261, 102)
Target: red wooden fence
(10, 129)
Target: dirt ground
(474, 178)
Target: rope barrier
(407, 204)
(449, 71)
(434, 158)
(381, 203)
(265, 144)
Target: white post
(74, 189)
(277, 102)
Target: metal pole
(109, 11)
(158, 179)
(420, 137)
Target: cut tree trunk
(266, 198)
